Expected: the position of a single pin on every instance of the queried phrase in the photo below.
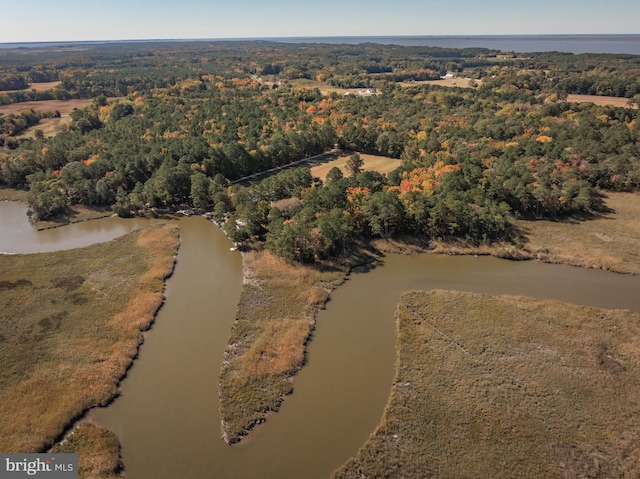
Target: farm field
(44, 86)
(447, 82)
(511, 385)
(600, 100)
(63, 106)
(325, 89)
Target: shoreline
(160, 246)
(256, 283)
(77, 423)
(425, 317)
(407, 245)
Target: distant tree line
(196, 116)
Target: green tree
(383, 212)
(45, 200)
(334, 174)
(354, 164)
(200, 190)
(337, 229)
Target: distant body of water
(516, 43)
(629, 44)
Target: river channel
(167, 415)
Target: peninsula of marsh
(279, 301)
(71, 325)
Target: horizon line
(294, 37)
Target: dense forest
(173, 124)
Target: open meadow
(70, 325)
(601, 100)
(49, 126)
(325, 88)
(44, 86)
(449, 82)
(508, 387)
(381, 164)
(63, 106)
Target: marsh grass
(70, 325)
(75, 214)
(508, 387)
(98, 451)
(276, 316)
(12, 194)
(610, 240)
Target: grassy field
(63, 106)
(508, 387)
(44, 86)
(324, 88)
(276, 315)
(70, 325)
(381, 164)
(600, 100)
(447, 82)
(609, 241)
(49, 126)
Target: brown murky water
(167, 416)
(18, 236)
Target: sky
(75, 20)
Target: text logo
(44, 466)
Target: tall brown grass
(71, 328)
(98, 451)
(508, 387)
(276, 316)
(609, 240)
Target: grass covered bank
(98, 451)
(11, 194)
(508, 387)
(276, 316)
(609, 240)
(70, 325)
